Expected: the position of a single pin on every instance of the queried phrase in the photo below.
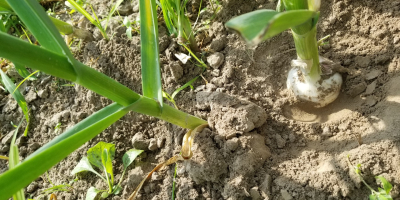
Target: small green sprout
(101, 156)
(128, 24)
(382, 193)
(78, 6)
(178, 23)
(67, 187)
(58, 126)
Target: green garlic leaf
(92, 193)
(129, 156)
(95, 153)
(260, 25)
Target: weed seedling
(312, 78)
(67, 187)
(178, 23)
(382, 193)
(101, 156)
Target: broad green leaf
(22, 71)
(57, 149)
(84, 165)
(92, 193)
(18, 97)
(117, 189)
(95, 153)
(151, 73)
(260, 25)
(130, 156)
(384, 197)
(14, 161)
(386, 185)
(372, 197)
(106, 159)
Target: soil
(261, 143)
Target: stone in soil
(215, 60)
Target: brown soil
(261, 143)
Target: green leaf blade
(130, 156)
(151, 73)
(95, 153)
(260, 25)
(37, 21)
(92, 193)
(84, 165)
(22, 71)
(386, 185)
(57, 149)
(14, 161)
(106, 159)
(18, 97)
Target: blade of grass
(112, 11)
(4, 157)
(14, 161)
(22, 71)
(151, 73)
(18, 97)
(183, 87)
(28, 77)
(166, 7)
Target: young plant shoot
(178, 23)
(312, 77)
(101, 156)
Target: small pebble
(32, 187)
(357, 89)
(280, 141)
(34, 146)
(7, 138)
(43, 93)
(265, 186)
(370, 88)
(160, 142)
(371, 101)
(215, 60)
(232, 144)
(31, 96)
(285, 195)
(255, 195)
(373, 74)
(326, 132)
(153, 144)
(138, 141)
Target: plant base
(321, 92)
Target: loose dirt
(261, 143)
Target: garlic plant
(306, 79)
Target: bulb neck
(307, 50)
